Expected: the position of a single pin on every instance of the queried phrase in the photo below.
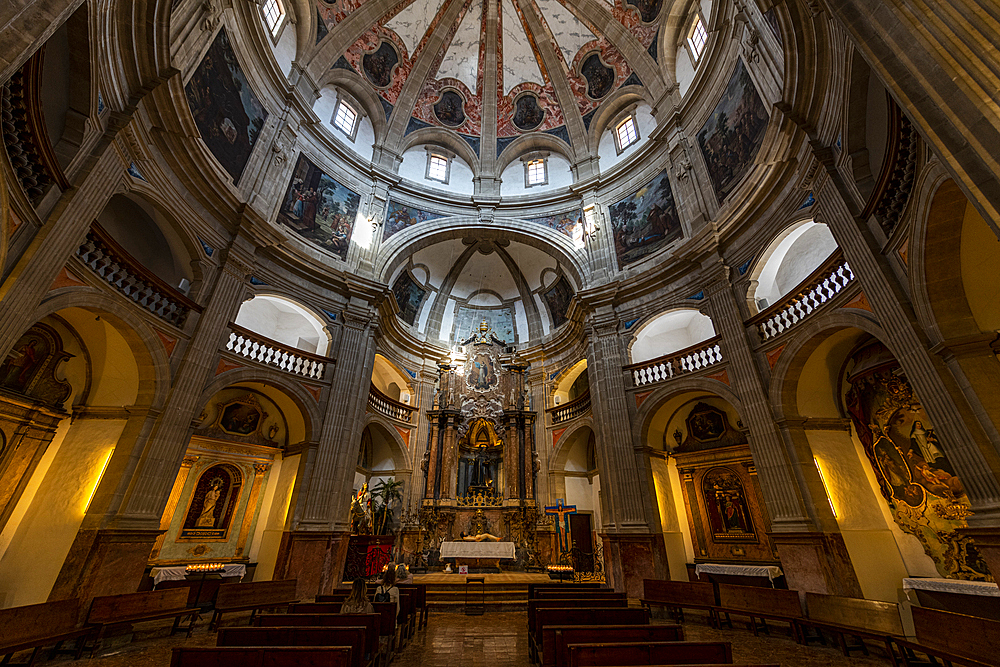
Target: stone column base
(104, 562)
(314, 558)
(987, 541)
(817, 563)
(630, 558)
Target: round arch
(649, 408)
(617, 102)
(398, 448)
(447, 139)
(558, 458)
(533, 141)
(674, 329)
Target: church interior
(673, 320)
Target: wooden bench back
(697, 593)
(388, 612)
(407, 603)
(588, 616)
(549, 594)
(299, 636)
(255, 593)
(336, 596)
(372, 623)
(420, 599)
(958, 634)
(769, 601)
(587, 603)
(650, 653)
(874, 616)
(533, 588)
(35, 621)
(109, 609)
(285, 656)
(555, 638)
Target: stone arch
(400, 450)
(532, 141)
(693, 332)
(558, 458)
(801, 231)
(650, 406)
(319, 323)
(363, 93)
(447, 139)
(619, 100)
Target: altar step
(499, 597)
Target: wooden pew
(677, 596)
(535, 605)
(110, 610)
(252, 597)
(39, 625)
(532, 588)
(650, 653)
(372, 623)
(336, 596)
(759, 603)
(387, 629)
(419, 602)
(854, 617)
(555, 638)
(966, 640)
(579, 615)
(407, 612)
(284, 656)
(353, 637)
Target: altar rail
(384, 405)
(826, 282)
(113, 264)
(579, 406)
(263, 350)
(689, 360)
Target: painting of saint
(645, 221)
(731, 136)
(569, 224)
(557, 299)
(399, 216)
(378, 66)
(482, 374)
(528, 114)
(726, 502)
(20, 366)
(910, 463)
(600, 78)
(319, 208)
(409, 295)
(449, 109)
(240, 419)
(227, 112)
(213, 502)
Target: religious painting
(911, 464)
(728, 511)
(449, 109)
(645, 221)
(600, 78)
(648, 9)
(378, 66)
(483, 371)
(708, 427)
(409, 295)
(400, 216)
(528, 114)
(227, 112)
(731, 136)
(30, 367)
(557, 298)
(213, 503)
(569, 224)
(500, 320)
(319, 208)
(242, 416)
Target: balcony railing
(263, 350)
(384, 405)
(118, 268)
(689, 360)
(570, 411)
(826, 282)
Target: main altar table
(475, 553)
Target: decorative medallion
(528, 114)
(600, 78)
(450, 109)
(378, 66)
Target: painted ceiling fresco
(451, 92)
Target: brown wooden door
(582, 538)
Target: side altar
(480, 465)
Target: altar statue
(480, 537)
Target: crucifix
(562, 511)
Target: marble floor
(495, 640)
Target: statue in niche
(207, 517)
(213, 503)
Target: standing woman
(356, 602)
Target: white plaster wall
(543, 312)
(606, 153)
(273, 513)
(425, 311)
(580, 492)
(414, 167)
(685, 70)
(364, 140)
(670, 520)
(285, 322)
(521, 321)
(284, 50)
(796, 256)
(512, 179)
(448, 319)
(671, 332)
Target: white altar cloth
(477, 549)
(984, 588)
(180, 572)
(772, 572)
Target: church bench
(39, 625)
(262, 656)
(965, 640)
(534, 588)
(548, 594)
(579, 615)
(372, 623)
(756, 603)
(336, 596)
(407, 610)
(111, 610)
(854, 617)
(555, 638)
(649, 653)
(252, 597)
(386, 610)
(354, 637)
(677, 596)
(419, 601)
(535, 605)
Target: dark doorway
(583, 542)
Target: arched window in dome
(284, 321)
(670, 332)
(791, 258)
(273, 12)
(697, 38)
